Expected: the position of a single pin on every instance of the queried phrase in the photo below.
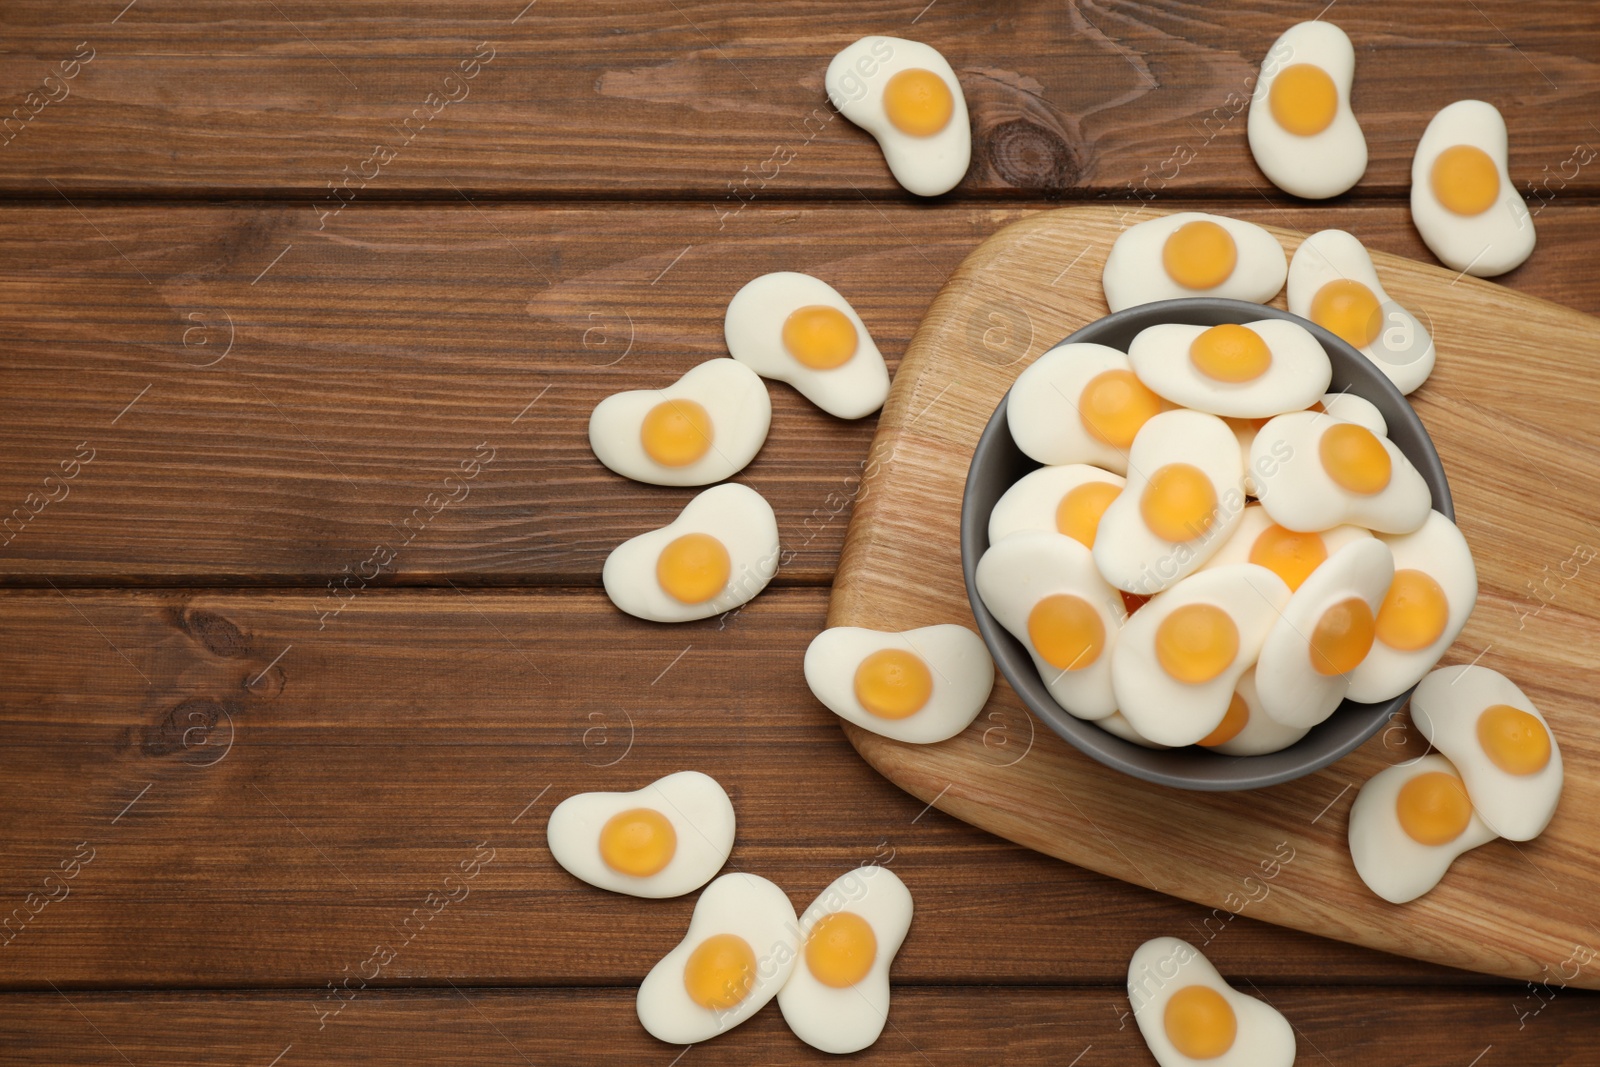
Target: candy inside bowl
(998, 463)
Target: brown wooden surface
(679, 99)
(371, 359)
(301, 808)
(945, 1024)
(260, 812)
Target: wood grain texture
(950, 1024)
(370, 360)
(270, 788)
(1523, 497)
(724, 101)
(262, 802)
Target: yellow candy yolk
(1199, 255)
(892, 683)
(1413, 613)
(1303, 99)
(1342, 637)
(918, 102)
(1355, 459)
(693, 568)
(1291, 556)
(1230, 353)
(1433, 808)
(1465, 180)
(819, 337)
(1233, 721)
(1200, 1022)
(1078, 514)
(841, 948)
(1348, 310)
(1196, 643)
(720, 972)
(1179, 503)
(675, 433)
(1514, 740)
(638, 843)
(1066, 631)
(1114, 405)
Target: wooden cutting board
(1512, 407)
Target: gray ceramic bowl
(997, 463)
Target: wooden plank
(948, 1024)
(252, 801)
(1514, 910)
(370, 360)
(724, 101)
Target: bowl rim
(1228, 773)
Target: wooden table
(301, 635)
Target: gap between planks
(1379, 196)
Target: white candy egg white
(1437, 550)
(1253, 522)
(1032, 501)
(1494, 240)
(848, 1019)
(753, 329)
(1325, 163)
(1390, 861)
(1400, 345)
(1241, 545)
(1352, 407)
(1173, 712)
(1346, 405)
(748, 907)
(1290, 687)
(1262, 733)
(1296, 378)
(1128, 552)
(1161, 968)
(1300, 494)
(733, 396)
(957, 660)
(1043, 408)
(1446, 707)
(1014, 575)
(855, 82)
(1134, 273)
(1244, 431)
(735, 515)
(1117, 725)
(702, 821)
